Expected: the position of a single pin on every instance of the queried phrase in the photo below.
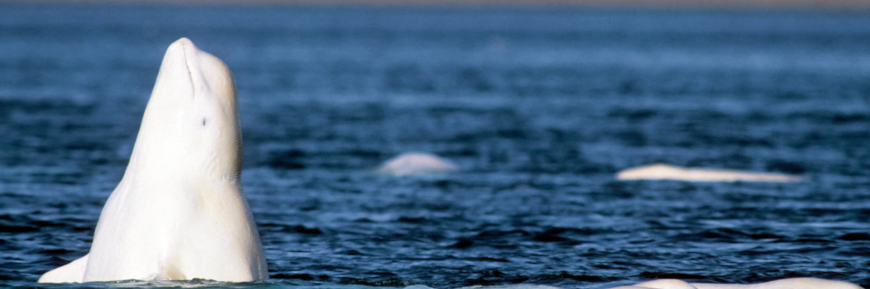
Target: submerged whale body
(416, 164)
(668, 172)
(179, 213)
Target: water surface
(538, 107)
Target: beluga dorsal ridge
(787, 283)
(179, 213)
(416, 163)
(674, 173)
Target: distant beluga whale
(788, 283)
(415, 163)
(179, 213)
(668, 172)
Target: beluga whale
(788, 283)
(416, 163)
(178, 212)
(674, 173)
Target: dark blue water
(538, 107)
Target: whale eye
(203, 122)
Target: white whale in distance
(414, 163)
(789, 283)
(179, 213)
(668, 172)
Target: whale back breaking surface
(668, 172)
(788, 283)
(179, 213)
(416, 163)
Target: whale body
(788, 283)
(668, 172)
(414, 163)
(178, 212)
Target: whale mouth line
(189, 72)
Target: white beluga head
(179, 213)
(191, 121)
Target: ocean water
(539, 107)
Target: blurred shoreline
(632, 4)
